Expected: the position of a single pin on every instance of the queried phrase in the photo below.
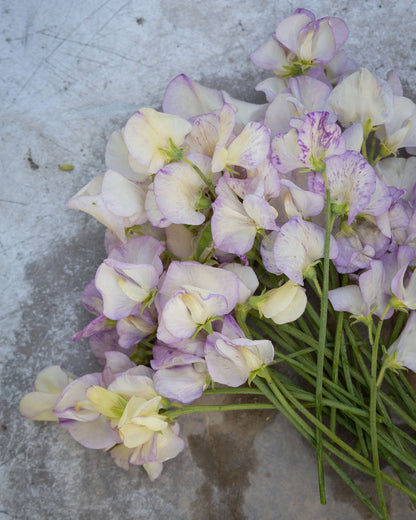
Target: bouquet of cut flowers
(265, 250)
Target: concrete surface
(73, 71)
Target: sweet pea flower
(183, 383)
(235, 223)
(315, 140)
(190, 296)
(299, 202)
(181, 372)
(128, 275)
(399, 172)
(149, 133)
(297, 246)
(303, 95)
(132, 406)
(358, 245)
(301, 41)
(248, 150)
(39, 404)
(283, 304)
(352, 183)
(79, 416)
(400, 130)
(114, 200)
(371, 296)
(362, 97)
(309, 39)
(403, 284)
(231, 361)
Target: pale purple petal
(177, 189)
(96, 435)
(298, 244)
(270, 56)
(187, 98)
(287, 32)
(348, 299)
(181, 383)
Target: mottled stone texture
(73, 71)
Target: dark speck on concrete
(31, 162)
(140, 20)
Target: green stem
(339, 339)
(237, 391)
(201, 174)
(173, 414)
(322, 339)
(373, 416)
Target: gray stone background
(72, 72)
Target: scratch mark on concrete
(14, 202)
(61, 42)
(91, 45)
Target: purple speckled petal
(318, 138)
(251, 147)
(351, 180)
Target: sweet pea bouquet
(265, 250)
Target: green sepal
(174, 153)
(204, 245)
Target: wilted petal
(89, 200)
